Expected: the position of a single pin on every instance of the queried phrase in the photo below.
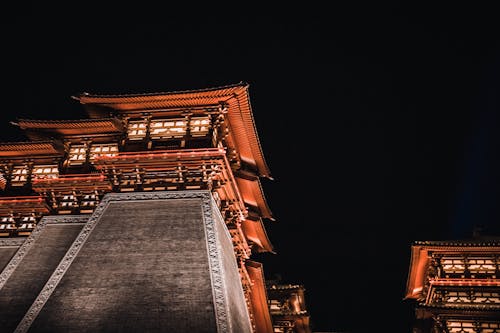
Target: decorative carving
(13, 241)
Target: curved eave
(30, 149)
(254, 230)
(253, 195)
(240, 117)
(258, 297)
(72, 127)
(234, 97)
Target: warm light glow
(460, 327)
(199, 126)
(19, 175)
(77, 155)
(452, 265)
(136, 130)
(45, 171)
(482, 265)
(171, 128)
(97, 150)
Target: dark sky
(380, 122)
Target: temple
(143, 216)
(455, 286)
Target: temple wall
(238, 317)
(32, 265)
(145, 261)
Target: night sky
(379, 122)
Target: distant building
(142, 217)
(455, 286)
(288, 307)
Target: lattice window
(457, 326)
(136, 130)
(26, 226)
(7, 220)
(274, 306)
(482, 265)
(490, 327)
(7, 226)
(453, 265)
(89, 201)
(199, 126)
(19, 175)
(77, 155)
(457, 297)
(468, 296)
(109, 149)
(68, 202)
(486, 297)
(45, 171)
(460, 327)
(28, 222)
(167, 128)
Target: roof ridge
(48, 121)
(464, 242)
(159, 93)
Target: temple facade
(455, 286)
(156, 189)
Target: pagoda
(288, 307)
(142, 216)
(455, 285)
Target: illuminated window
(136, 130)
(8, 219)
(45, 171)
(68, 202)
(28, 223)
(274, 306)
(19, 175)
(491, 327)
(467, 296)
(199, 126)
(171, 128)
(460, 327)
(482, 265)
(7, 225)
(28, 219)
(89, 200)
(453, 265)
(77, 155)
(97, 150)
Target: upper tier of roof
(234, 98)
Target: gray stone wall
(145, 262)
(6, 254)
(32, 268)
(143, 268)
(238, 316)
